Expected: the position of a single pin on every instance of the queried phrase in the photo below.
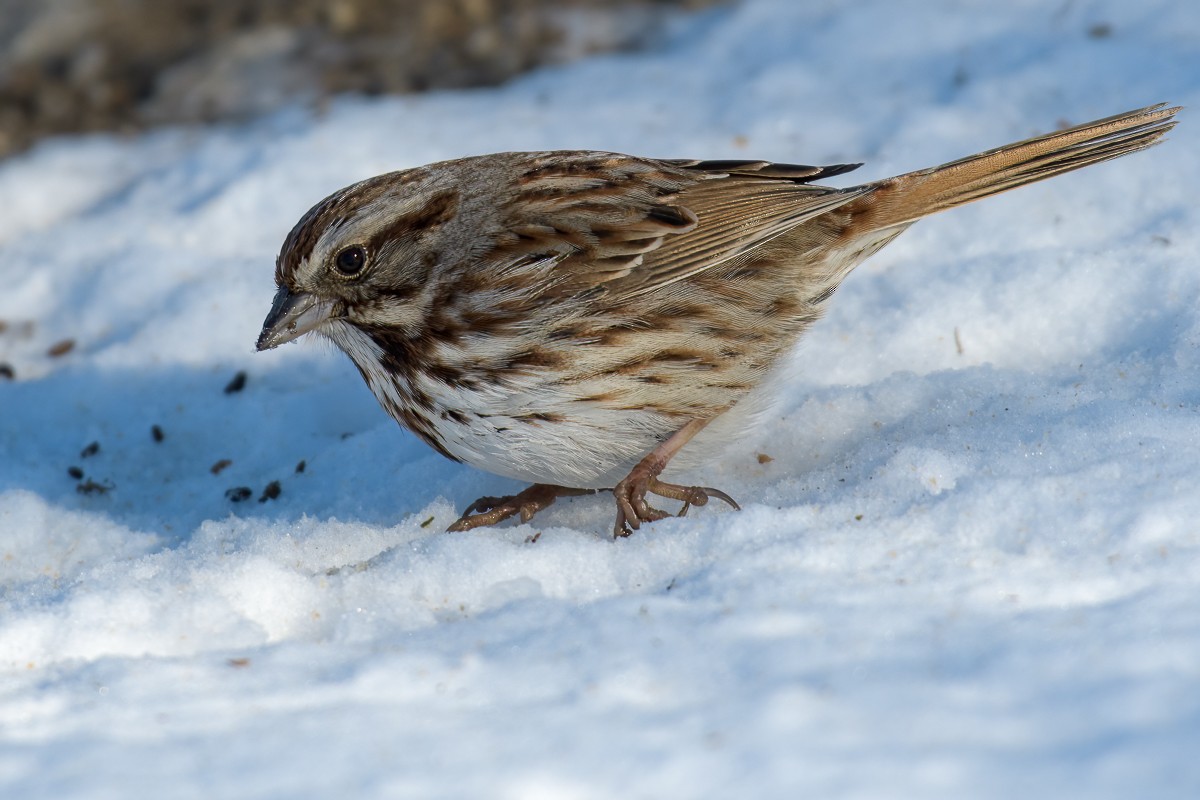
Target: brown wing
(736, 214)
(798, 173)
(632, 225)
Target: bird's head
(360, 257)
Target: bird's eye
(351, 260)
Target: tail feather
(907, 198)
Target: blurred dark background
(69, 66)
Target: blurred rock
(69, 66)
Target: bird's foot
(490, 510)
(633, 510)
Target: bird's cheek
(392, 313)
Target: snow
(969, 570)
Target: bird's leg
(490, 510)
(632, 508)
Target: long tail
(907, 198)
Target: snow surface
(971, 569)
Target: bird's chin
(292, 315)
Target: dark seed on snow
(237, 383)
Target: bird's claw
(633, 510)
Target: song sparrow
(574, 319)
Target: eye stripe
(440, 208)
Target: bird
(578, 320)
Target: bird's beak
(292, 315)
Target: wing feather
(629, 226)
